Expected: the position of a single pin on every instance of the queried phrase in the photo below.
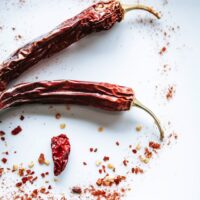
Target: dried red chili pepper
(98, 17)
(101, 95)
(60, 152)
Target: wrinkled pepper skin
(101, 95)
(100, 16)
(61, 148)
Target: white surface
(126, 55)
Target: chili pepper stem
(141, 7)
(137, 103)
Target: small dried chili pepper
(98, 17)
(60, 152)
(101, 95)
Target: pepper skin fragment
(60, 146)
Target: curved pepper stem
(140, 7)
(136, 103)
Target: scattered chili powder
(76, 190)
(16, 130)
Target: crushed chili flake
(16, 130)
(163, 50)
(134, 151)
(137, 170)
(19, 184)
(91, 149)
(41, 159)
(106, 158)
(117, 143)
(125, 162)
(154, 145)
(148, 153)
(76, 190)
(22, 117)
(58, 116)
(170, 92)
(1, 171)
(84, 163)
(2, 133)
(21, 171)
(4, 160)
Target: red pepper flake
(21, 171)
(76, 190)
(119, 179)
(154, 145)
(46, 173)
(34, 193)
(137, 170)
(42, 175)
(117, 143)
(134, 151)
(98, 193)
(95, 150)
(170, 92)
(16, 131)
(50, 187)
(100, 171)
(2, 133)
(91, 149)
(19, 184)
(106, 158)
(125, 162)
(104, 168)
(41, 159)
(84, 163)
(2, 138)
(163, 50)
(24, 180)
(148, 153)
(1, 171)
(43, 190)
(58, 116)
(4, 160)
(22, 117)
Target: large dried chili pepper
(101, 95)
(98, 17)
(60, 146)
